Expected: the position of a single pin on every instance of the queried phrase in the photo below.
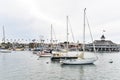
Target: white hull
(44, 54)
(5, 51)
(79, 61)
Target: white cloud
(34, 17)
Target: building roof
(104, 42)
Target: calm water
(25, 66)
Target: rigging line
(71, 31)
(90, 33)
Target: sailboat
(81, 59)
(3, 50)
(63, 54)
(46, 53)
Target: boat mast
(3, 34)
(51, 38)
(67, 32)
(84, 31)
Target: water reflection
(79, 72)
(77, 66)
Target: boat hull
(63, 57)
(79, 61)
(43, 54)
(5, 51)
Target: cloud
(32, 18)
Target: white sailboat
(81, 59)
(3, 50)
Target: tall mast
(84, 31)
(67, 31)
(3, 34)
(51, 37)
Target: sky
(32, 19)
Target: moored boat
(81, 59)
(5, 51)
(44, 53)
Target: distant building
(103, 45)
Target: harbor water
(23, 65)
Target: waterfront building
(103, 45)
